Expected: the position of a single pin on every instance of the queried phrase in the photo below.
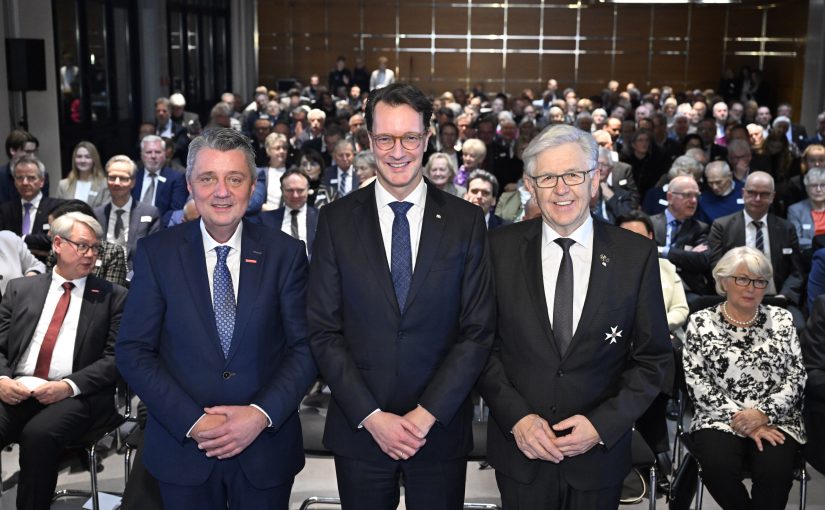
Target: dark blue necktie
(760, 237)
(401, 252)
(563, 301)
(224, 297)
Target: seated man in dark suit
(28, 215)
(132, 220)
(18, 143)
(295, 217)
(611, 202)
(681, 237)
(774, 236)
(813, 350)
(482, 190)
(156, 184)
(57, 366)
(341, 176)
(621, 174)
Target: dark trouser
(42, 433)
(549, 491)
(226, 488)
(374, 485)
(725, 458)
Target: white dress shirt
(750, 240)
(32, 212)
(273, 186)
(415, 216)
(581, 253)
(147, 181)
(110, 227)
(63, 354)
(286, 225)
(82, 189)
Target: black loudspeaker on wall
(26, 64)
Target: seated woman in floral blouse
(745, 376)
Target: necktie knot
(565, 243)
(27, 206)
(757, 223)
(67, 286)
(400, 208)
(222, 252)
(294, 212)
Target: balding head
(683, 197)
(604, 139)
(718, 177)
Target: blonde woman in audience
(473, 152)
(86, 180)
(441, 172)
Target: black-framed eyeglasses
(744, 281)
(762, 195)
(83, 248)
(409, 141)
(569, 178)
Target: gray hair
(273, 139)
(367, 157)
(29, 159)
(120, 158)
(486, 176)
(440, 155)
(685, 165)
(604, 153)
(343, 142)
(221, 109)
(755, 261)
(62, 225)
(815, 173)
(474, 146)
(720, 165)
(555, 136)
(224, 140)
(316, 113)
(151, 139)
(164, 101)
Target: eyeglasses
(744, 281)
(687, 195)
(759, 194)
(83, 248)
(569, 178)
(819, 186)
(26, 178)
(118, 178)
(409, 141)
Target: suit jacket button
(560, 373)
(553, 409)
(226, 375)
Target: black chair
(479, 451)
(312, 428)
(643, 461)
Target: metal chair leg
(652, 490)
(700, 488)
(803, 488)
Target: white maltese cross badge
(615, 334)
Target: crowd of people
(724, 199)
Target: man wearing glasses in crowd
(401, 314)
(581, 341)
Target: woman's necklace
(735, 322)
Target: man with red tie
(57, 366)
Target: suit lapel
(34, 302)
(370, 239)
(432, 228)
(739, 226)
(660, 228)
(107, 211)
(776, 246)
(193, 262)
(531, 261)
(89, 308)
(253, 259)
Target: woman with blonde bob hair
(745, 376)
(440, 170)
(86, 180)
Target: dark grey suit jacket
(274, 219)
(693, 266)
(144, 219)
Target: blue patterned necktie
(401, 253)
(224, 297)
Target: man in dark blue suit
(295, 218)
(155, 184)
(222, 383)
(401, 315)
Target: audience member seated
(341, 176)
(482, 190)
(816, 278)
(316, 119)
(295, 217)
(261, 129)
(609, 203)
(813, 352)
(57, 350)
(706, 129)
(157, 184)
(473, 155)
(16, 260)
(682, 239)
(86, 180)
(739, 160)
(644, 159)
(819, 136)
(276, 146)
(18, 143)
(366, 167)
(27, 216)
(320, 195)
(794, 188)
(441, 172)
(504, 162)
(745, 376)
(166, 127)
(621, 173)
(656, 198)
(124, 219)
(724, 195)
(808, 216)
(773, 236)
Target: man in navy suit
(482, 190)
(157, 185)
(400, 307)
(222, 383)
(341, 176)
(295, 218)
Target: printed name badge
(161, 178)
(46, 226)
(663, 202)
(623, 182)
(806, 226)
(145, 219)
(740, 201)
(333, 181)
(92, 193)
(98, 263)
(787, 251)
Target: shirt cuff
(189, 432)
(259, 408)
(361, 425)
(75, 389)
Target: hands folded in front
(538, 440)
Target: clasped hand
(13, 392)
(226, 431)
(537, 439)
(400, 437)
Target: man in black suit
(482, 190)
(18, 143)
(401, 311)
(57, 364)
(325, 142)
(574, 367)
(132, 220)
(813, 350)
(156, 184)
(341, 176)
(28, 216)
(776, 237)
(796, 132)
(611, 202)
(682, 239)
(295, 217)
(501, 153)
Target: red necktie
(44, 358)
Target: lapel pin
(94, 291)
(438, 216)
(257, 252)
(604, 259)
(250, 261)
(614, 335)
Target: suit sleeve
(693, 261)
(816, 278)
(282, 394)
(6, 312)
(813, 350)
(716, 243)
(647, 360)
(326, 329)
(792, 286)
(138, 352)
(462, 365)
